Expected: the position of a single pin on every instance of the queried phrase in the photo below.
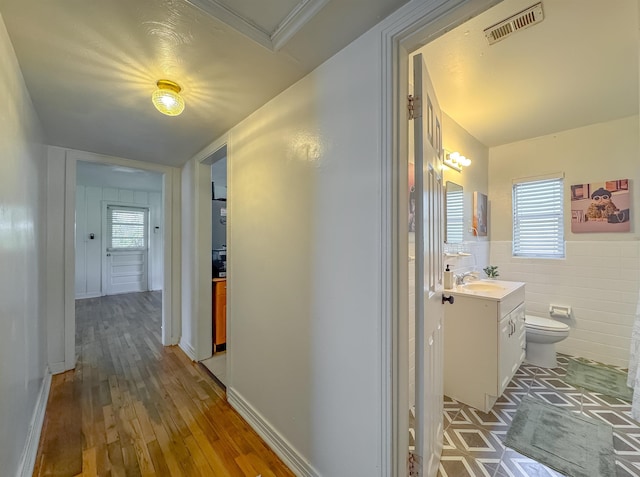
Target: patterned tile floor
(474, 441)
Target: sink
(482, 286)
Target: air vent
(519, 21)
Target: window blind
(538, 222)
(455, 220)
(126, 228)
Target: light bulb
(167, 99)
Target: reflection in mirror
(454, 213)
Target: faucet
(460, 278)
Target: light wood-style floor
(135, 408)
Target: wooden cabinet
(483, 346)
(219, 312)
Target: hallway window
(126, 228)
(538, 221)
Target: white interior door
(127, 249)
(428, 273)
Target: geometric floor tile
(463, 466)
(474, 440)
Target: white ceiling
(91, 66)
(117, 177)
(578, 67)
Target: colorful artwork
(601, 207)
(480, 206)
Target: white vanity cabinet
(484, 343)
(511, 346)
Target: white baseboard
(290, 456)
(28, 460)
(188, 349)
(82, 296)
(57, 368)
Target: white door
(127, 250)
(429, 311)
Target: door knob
(447, 298)
(108, 255)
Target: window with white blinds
(126, 228)
(538, 222)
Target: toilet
(542, 334)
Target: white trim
(82, 296)
(289, 455)
(294, 21)
(298, 17)
(69, 263)
(57, 368)
(28, 459)
(235, 21)
(170, 316)
(543, 177)
(407, 29)
(202, 170)
(188, 349)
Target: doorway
(217, 363)
(402, 38)
(117, 231)
(83, 253)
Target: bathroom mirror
(453, 213)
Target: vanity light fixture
(167, 99)
(456, 161)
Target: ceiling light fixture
(456, 161)
(167, 99)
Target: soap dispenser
(448, 278)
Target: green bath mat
(570, 443)
(599, 379)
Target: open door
(429, 311)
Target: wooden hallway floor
(135, 408)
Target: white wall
(600, 276)
(23, 347)
(89, 211)
(473, 178)
(304, 264)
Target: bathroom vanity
(484, 340)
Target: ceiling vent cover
(519, 21)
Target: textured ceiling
(91, 66)
(117, 177)
(578, 67)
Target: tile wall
(600, 280)
(477, 259)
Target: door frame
(171, 281)
(204, 326)
(407, 30)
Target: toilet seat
(544, 324)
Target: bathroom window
(538, 222)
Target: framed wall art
(480, 207)
(601, 207)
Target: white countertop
(502, 289)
